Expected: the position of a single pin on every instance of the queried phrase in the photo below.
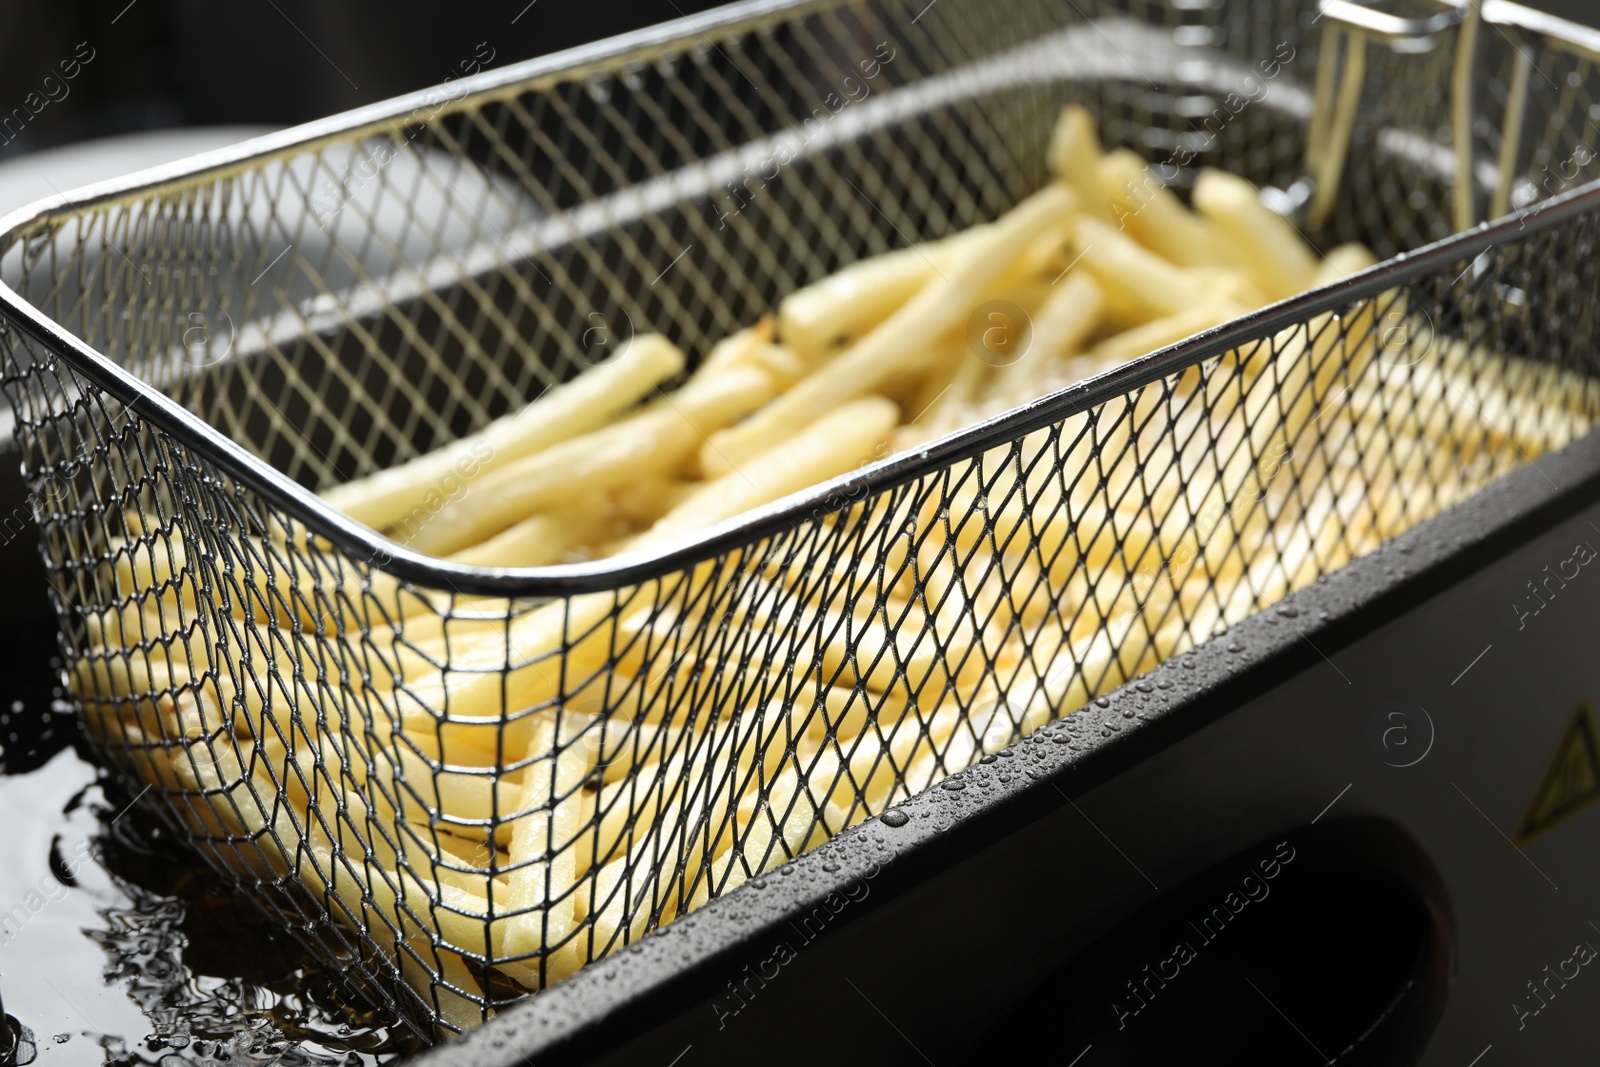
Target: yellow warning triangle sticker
(1570, 783)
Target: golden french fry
(837, 443)
(535, 541)
(1118, 261)
(843, 307)
(1342, 262)
(1074, 155)
(586, 403)
(1149, 211)
(1278, 261)
(1163, 332)
(651, 443)
(940, 306)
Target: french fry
(1164, 331)
(1278, 261)
(843, 307)
(653, 442)
(1068, 316)
(1074, 156)
(1117, 260)
(1148, 210)
(940, 306)
(738, 348)
(1341, 262)
(539, 900)
(647, 499)
(835, 444)
(535, 541)
(566, 411)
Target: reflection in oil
(117, 946)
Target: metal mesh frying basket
(460, 784)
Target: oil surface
(117, 946)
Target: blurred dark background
(164, 63)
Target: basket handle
(1348, 28)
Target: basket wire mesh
(307, 700)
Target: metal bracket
(1348, 29)
(1526, 30)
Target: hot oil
(117, 946)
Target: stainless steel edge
(1392, 28)
(1572, 36)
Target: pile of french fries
(500, 792)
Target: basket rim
(383, 554)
